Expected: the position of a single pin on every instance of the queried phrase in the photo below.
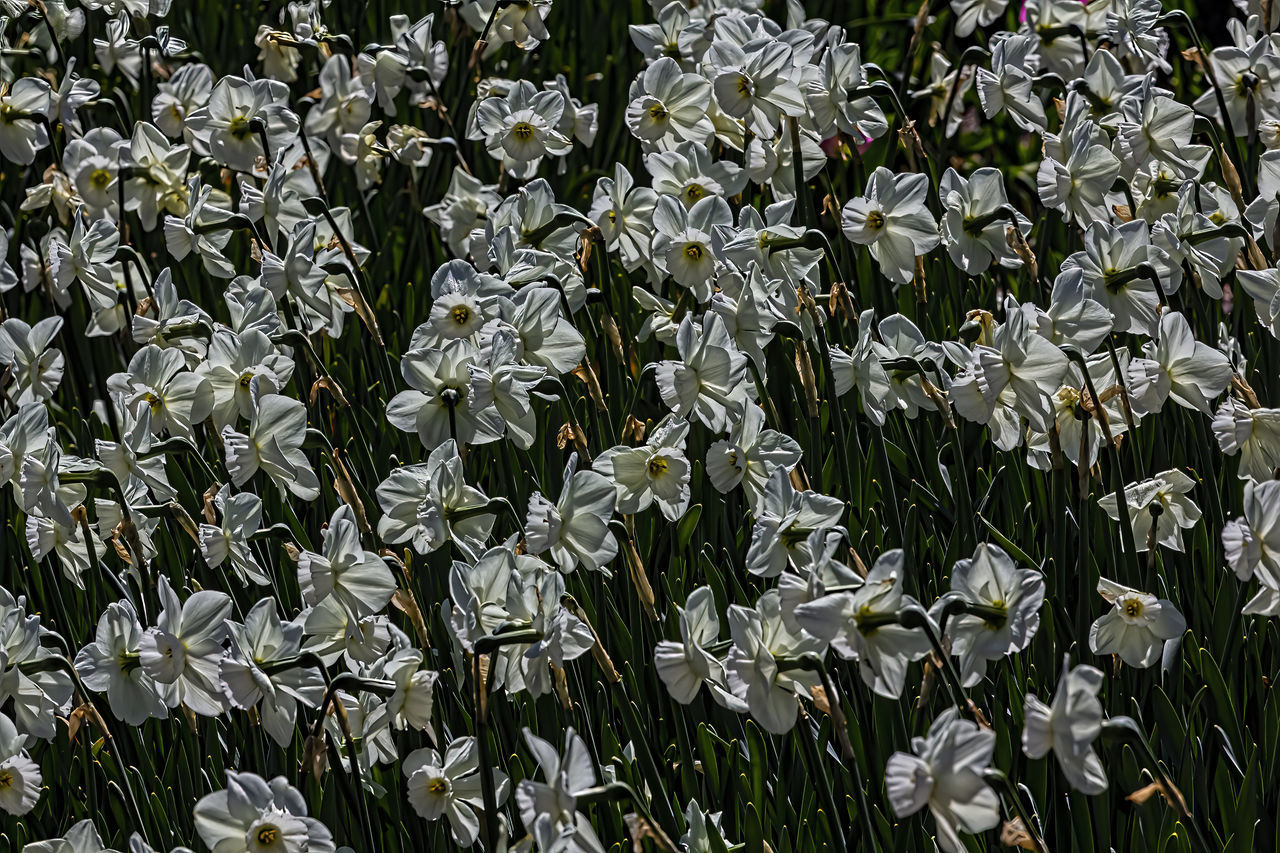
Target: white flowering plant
(694, 425)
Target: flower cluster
(387, 425)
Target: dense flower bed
(697, 425)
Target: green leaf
(687, 525)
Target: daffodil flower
(277, 431)
(944, 771)
(252, 815)
(450, 787)
(892, 221)
(1159, 502)
(1137, 628)
(1068, 727)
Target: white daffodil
(168, 321)
(710, 380)
(862, 369)
(971, 14)
(544, 336)
(757, 82)
(1069, 727)
(252, 815)
(235, 363)
(371, 747)
(1245, 74)
(655, 472)
(785, 517)
(159, 185)
(1007, 87)
(1161, 130)
(41, 492)
(1161, 503)
(1072, 316)
(507, 384)
(829, 93)
(112, 664)
(439, 404)
(240, 117)
(228, 541)
(346, 102)
(432, 504)
(278, 203)
(1081, 439)
(298, 272)
(92, 164)
(1123, 270)
(892, 221)
(274, 443)
(944, 80)
(701, 826)
(483, 595)
(575, 529)
(25, 432)
(463, 206)
(183, 651)
(689, 174)
(40, 693)
(1134, 28)
(944, 772)
(1138, 626)
(1177, 366)
(1252, 433)
(760, 638)
(413, 699)
(686, 665)
(1019, 361)
(21, 135)
(333, 634)
(366, 153)
(20, 777)
(82, 837)
(249, 675)
(565, 637)
(88, 257)
(975, 220)
(450, 787)
(624, 214)
(773, 164)
(1252, 545)
(186, 91)
(682, 241)
(519, 128)
(131, 460)
(1009, 601)
(549, 810)
(862, 625)
(1077, 184)
(48, 538)
(750, 455)
(158, 382)
(458, 298)
(521, 25)
(1263, 287)
(668, 106)
(357, 578)
(35, 369)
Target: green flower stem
(488, 788)
(1117, 471)
(915, 616)
(997, 779)
(839, 725)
